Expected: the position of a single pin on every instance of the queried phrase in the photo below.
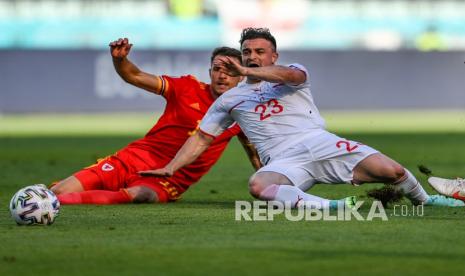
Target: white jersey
(273, 116)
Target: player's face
(258, 52)
(220, 82)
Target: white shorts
(326, 158)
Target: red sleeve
(234, 129)
(227, 134)
(168, 86)
(171, 86)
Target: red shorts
(120, 172)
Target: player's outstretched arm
(250, 150)
(129, 72)
(192, 148)
(274, 73)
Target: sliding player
(114, 179)
(275, 109)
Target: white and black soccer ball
(34, 204)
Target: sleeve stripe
(208, 134)
(229, 111)
(162, 90)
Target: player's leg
(98, 197)
(149, 189)
(102, 183)
(380, 168)
(142, 194)
(67, 185)
(273, 186)
(366, 165)
(114, 180)
(338, 160)
(71, 191)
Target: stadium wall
(85, 81)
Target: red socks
(95, 197)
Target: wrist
(169, 170)
(118, 59)
(246, 71)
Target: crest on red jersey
(107, 167)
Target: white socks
(292, 194)
(412, 189)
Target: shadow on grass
(201, 203)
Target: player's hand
(164, 172)
(120, 48)
(230, 66)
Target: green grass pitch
(199, 235)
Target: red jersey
(187, 102)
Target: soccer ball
(34, 204)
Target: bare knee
(256, 185)
(141, 194)
(394, 173)
(56, 189)
(68, 185)
(262, 180)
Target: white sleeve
(216, 120)
(300, 67)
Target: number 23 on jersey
(266, 110)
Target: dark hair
(226, 51)
(252, 33)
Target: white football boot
(449, 187)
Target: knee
(256, 185)
(394, 173)
(260, 182)
(141, 194)
(68, 185)
(55, 189)
(60, 188)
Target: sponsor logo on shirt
(195, 106)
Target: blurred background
(361, 54)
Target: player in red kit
(115, 179)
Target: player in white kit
(275, 109)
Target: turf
(199, 235)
